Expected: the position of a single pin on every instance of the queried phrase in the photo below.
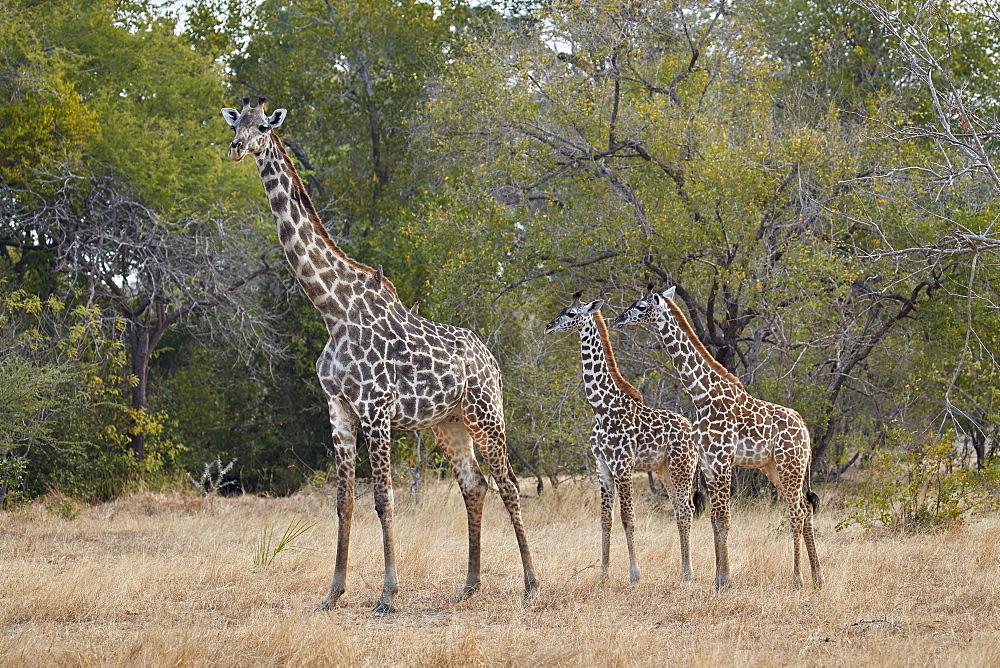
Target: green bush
(915, 485)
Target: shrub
(915, 485)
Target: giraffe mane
(623, 385)
(700, 347)
(318, 226)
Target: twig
(881, 620)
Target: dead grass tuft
(167, 579)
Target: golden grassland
(169, 579)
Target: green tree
(352, 74)
(608, 143)
(140, 217)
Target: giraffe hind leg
(485, 424)
(623, 481)
(679, 482)
(378, 436)
(809, 538)
(456, 441)
(799, 514)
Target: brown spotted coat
(733, 428)
(629, 436)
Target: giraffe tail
(699, 498)
(811, 496)
(700, 502)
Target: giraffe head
(574, 316)
(645, 309)
(252, 127)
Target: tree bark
(139, 352)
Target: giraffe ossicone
(629, 436)
(384, 368)
(733, 428)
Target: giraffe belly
(649, 453)
(414, 413)
(426, 392)
(752, 451)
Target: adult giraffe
(630, 436)
(384, 367)
(734, 428)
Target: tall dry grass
(170, 580)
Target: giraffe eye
(262, 128)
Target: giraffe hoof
(383, 609)
(328, 603)
(721, 583)
(468, 590)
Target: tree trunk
(139, 351)
(979, 445)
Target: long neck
(604, 385)
(330, 279)
(701, 375)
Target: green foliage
(62, 507)
(12, 470)
(219, 28)
(352, 75)
(915, 485)
(267, 550)
(42, 117)
(494, 159)
(54, 365)
(268, 413)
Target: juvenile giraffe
(629, 436)
(733, 428)
(384, 367)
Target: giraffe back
(380, 355)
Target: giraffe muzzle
(237, 151)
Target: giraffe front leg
(607, 513)
(377, 435)
(718, 489)
(345, 451)
(624, 483)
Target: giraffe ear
(595, 306)
(277, 118)
(231, 116)
(669, 293)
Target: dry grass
(169, 579)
